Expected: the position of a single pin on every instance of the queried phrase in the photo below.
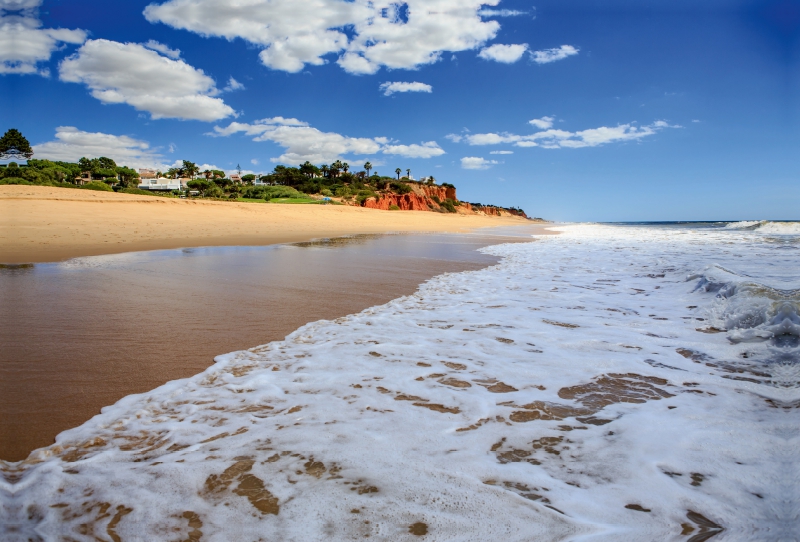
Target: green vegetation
(62, 174)
(284, 184)
(272, 192)
(394, 207)
(448, 205)
(14, 145)
(97, 185)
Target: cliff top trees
(14, 145)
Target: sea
(613, 382)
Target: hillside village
(333, 183)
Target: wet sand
(82, 334)
(45, 224)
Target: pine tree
(13, 145)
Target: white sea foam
(745, 225)
(781, 228)
(598, 385)
(766, 227)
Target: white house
(160, 184)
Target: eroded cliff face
(406, 202)
(423, 198)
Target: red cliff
(424, 197)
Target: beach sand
(44, 224)
(83, 336)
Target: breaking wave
(766, 226)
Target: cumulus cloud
(474, 162)
(24, 44)
(302, 142)
(163, 49)
(543, 123)
(507, 54)
(553, 139)
(233, 84)
(72, 144)
(132, 74)
(546, 56)
(380, 33)
(390, 88)
(426, 150)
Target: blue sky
(641, 110)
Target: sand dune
(40, 224)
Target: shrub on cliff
(400, 188)
(394, 207)
(448, 205)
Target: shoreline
(45, 224)
(120, 296)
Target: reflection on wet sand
(82, 334)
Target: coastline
(42, 224)
(261, 294)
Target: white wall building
(161, 184)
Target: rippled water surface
(609, 383)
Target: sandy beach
(43, 224)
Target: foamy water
(610, 383)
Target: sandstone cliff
(423, 197)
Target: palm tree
(368, 167)
(345, 167)
(408, 173)
(336, 167)
(325, 169)
(398, 171)
(431, 180)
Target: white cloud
(474, 162)
(502, 152)
(426, 150)
(303, 142)
(233, 84)
(72, 144)
(554, 139)
(254, 161)
(501, 13)
(455, 138)
(551, 55)
(130, 73)
(19, 5)
(23, 44)
(163, 49)
(543, 123)
(507, 54)
(380, 33)
(390, 88)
